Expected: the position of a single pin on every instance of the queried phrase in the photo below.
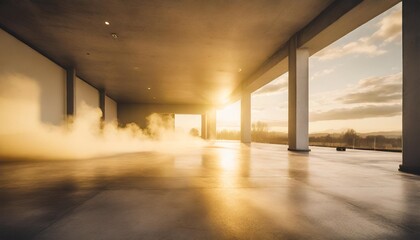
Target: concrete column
(411, 87)
(102, 95)
(211, 124)
(298, 97)
(246, 117)
(70, 90)
(203, 126)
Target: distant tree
(349, 137)
(259, 127)
(328, 139)
(194, 132)
(228, 135)
(259, 132)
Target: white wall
(17, 60)
(110, 110)
(47, 81)
(85, 93)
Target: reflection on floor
(226, 191)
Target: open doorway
(229, 122)
(188, 124)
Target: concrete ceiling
(185, 51)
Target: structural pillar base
(408, 169)
(298, 150)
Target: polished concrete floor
(224, 191)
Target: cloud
(228, 124)
(258, 109)
(273, 123)
(276, 86)
(358, 112)
(322, 73)
(273, 87)
(384, 89)
(360, 46)
(279, 123)
(390, 26)
(388, 30)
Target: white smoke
(24, 136)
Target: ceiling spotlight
(240, 70)
(148, 88)
(114, 35)
(106, 23)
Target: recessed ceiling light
(148, 88)
(106, 23)
(114, 35)
(154, 97)
(240, 70)
(136, 68)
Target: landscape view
(390, 141)
(355, 92)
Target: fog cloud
(23, 135)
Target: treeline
(352, 139)
(349, 138)
(259, 133)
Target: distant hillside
(388, 134)
(325, 134)
(334, 134)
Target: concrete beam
(298, 97)
(316, 35)
(411, 87)
(70, 91)
(246, 117)
(337, 20)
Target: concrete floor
(226, 191)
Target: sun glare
(227, 160)
(229, 117)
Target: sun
(229, 116)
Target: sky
(355, 82)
